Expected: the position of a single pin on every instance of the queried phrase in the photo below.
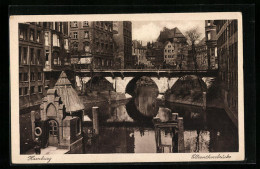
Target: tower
(211, 43)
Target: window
(39, 76)
(169, 51)
(20, 77)
(46, 38)
(32, 90)
(87, 48)
(39, 89)
(32, 56)
(31, 34)
(74, 24)
(86, 34)
(20, 54)
(75, 35)
(47, 56)
(165, 50)
(47, 76)
(209, 35)
(75, 46)
(38, 36)
(169, 46)
(38, 56)
(78, 126)
(26, 91)
(56, 40)
(20, 91)
(25, 77)
(208, 22)
(66, 44)
(85, 23)
(32, 76)
(21, 35)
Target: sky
(149, 30)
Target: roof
(167, 34)
(68, 95)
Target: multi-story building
(43, 53)
(227, 49)
(56, 52)
(155, 53)
(123, 44)
(139, 52)
(201, 55)
(92, 44)
(169, 53)
(175, 47)
(211, 42)
(31, 63)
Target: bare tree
(193, 36)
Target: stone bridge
(164, 79)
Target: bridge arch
(131, 85)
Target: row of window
(23, 91)
(99, 24)
(33, 58)
(168, 51)
(33, 36)
(23, 77)
(168, 56)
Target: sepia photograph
(127, 88)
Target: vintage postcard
(111, 88)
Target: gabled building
(61, 117)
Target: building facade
(175, 44)
(123, 44)
(56, 51)
(155, 53)
(227, 49)
(211, 42)
(92, 44)
(201, 55)
(139, 52)
(31, 64)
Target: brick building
(92, 44)
(211, 42)
(227, 51)
(123, 44)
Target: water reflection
(125, 128)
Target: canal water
(126, 127)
